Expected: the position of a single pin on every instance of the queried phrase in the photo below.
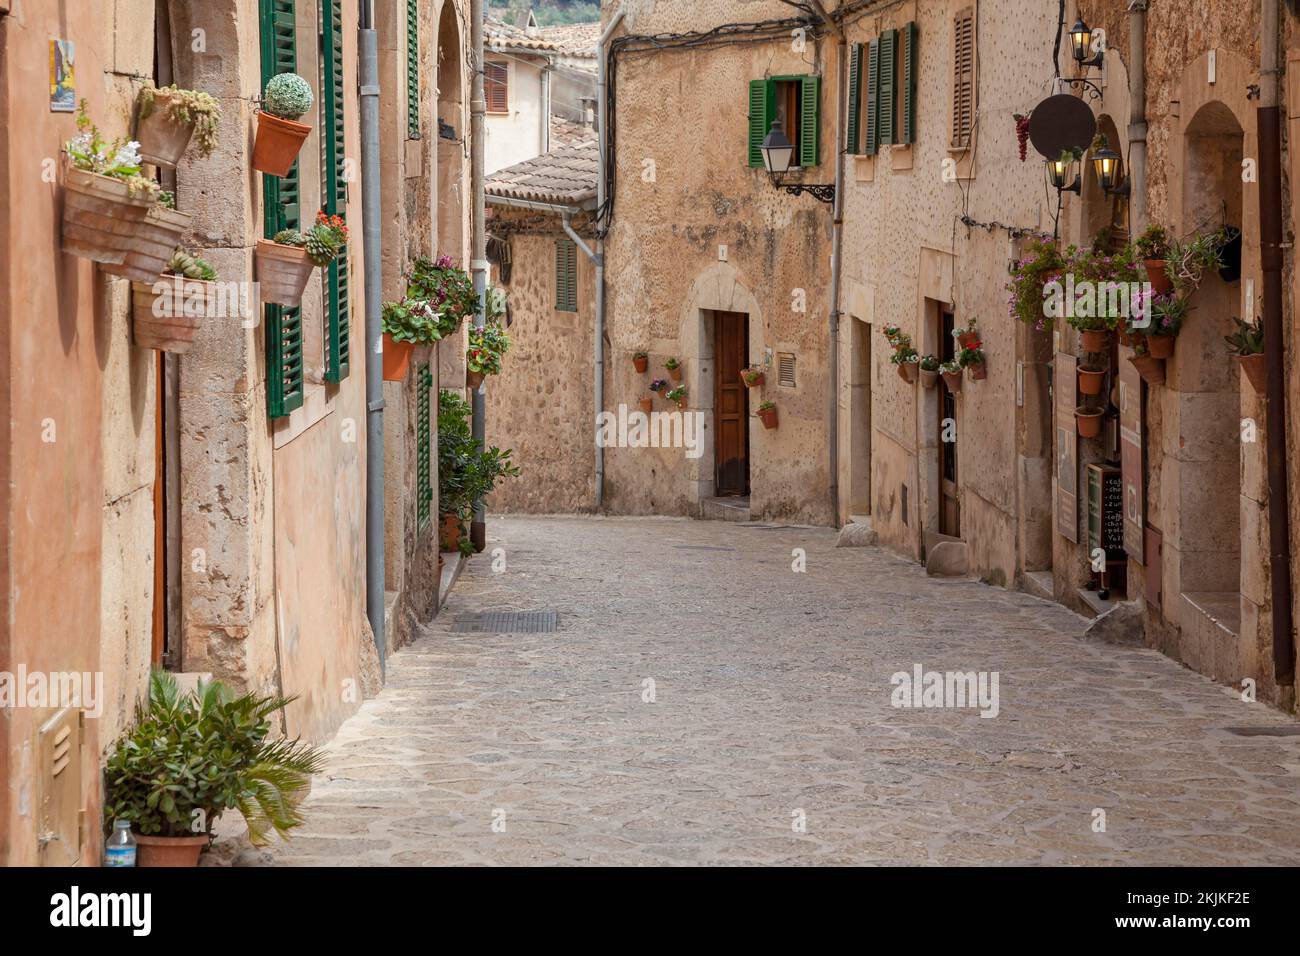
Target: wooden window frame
(502, 85)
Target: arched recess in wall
(450, 192)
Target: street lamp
(1058, 173)
(778, 153)
(1081, 45)
(1106, 163)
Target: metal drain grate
(507, 622)
(1283, 730)
(700, 547)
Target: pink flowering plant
(447, 288)
(1043, 263)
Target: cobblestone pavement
(773, 704)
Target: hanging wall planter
(279, 136)
(101, 216)
(1151, 369)
(1161, 346)
(168, 313)
(1095, 340)
(282, 272)
(928, 370)
(1088, 421)
(646, 405)
(154, 246)
(473, 380)
(1091, 378)
(640, 362)
(752, 376)
(674, 369)
(397, 358)
(767, 414)
(169, 117)
(952, 376)
(1246, 344)
(1255, 367)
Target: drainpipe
(598, 351)
(837, 238)
(544, 142)
(479, 266)
(1269, 124)
(1137, 117)
(368, 82)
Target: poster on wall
(1067, 449)
(1130, 458)
(63, 78)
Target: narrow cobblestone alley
(772, 704)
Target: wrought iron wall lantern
(1058, 173)
(778, 152)
(1109, 169)
(1081, 47)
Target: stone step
(725, 509)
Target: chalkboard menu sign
(1106, 511)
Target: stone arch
(449, 194)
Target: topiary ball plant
(287, 96)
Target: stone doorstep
(452, 564)
(1092, 600)
(725, 509)
(1040, 584)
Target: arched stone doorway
(449, 196)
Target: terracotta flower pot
(1151, 369)
(282, 272)
(473, 380)
(768, 417)
(753, 383)
(1158, 276)
(1090, 379)
(675, 373)
(929, 379)
(277, 144)
(169, 318)
(155, 244)
(169, 851)
(967, 340)
(646, 404)
(1255, 368)
(1087, 421)
(978, 372)
(907, 371)
(1095, 340)
(1161, 346)
(100, 216)
(449, 533)
(397, 357)
(163, 139)
(952, 380)
(640, 363)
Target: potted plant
(767, 414)
(1166, 314)
(285, 262)
(1043, 263)
(659, 385)
(168, 313)
(1094, 332)
(929, 371)
(640, 362)
(892, 335)
(968, 337)
(951, 372)
(1188, 260)
(192, 756)
(405, 326)
(1152, 247)
(971, 358)
(448, 289)
(1087, 421)
(1246, 343)
(647, 403)
(280, 136)
(677, 395)
(752, 375)
(155, 241)
(105, 199)
(674, 369)
(467, 473)
(483, 356)
(906, 360)
(1150, 368)
(167, 117)
(1091, 378)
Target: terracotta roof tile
(566, 176)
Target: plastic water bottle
(119, 848)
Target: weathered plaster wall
(516, 135)
(541, 403)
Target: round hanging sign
(1059, 123)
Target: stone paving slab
(772, 705)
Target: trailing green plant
(905, 355)
(1247, 338)
(189, 266)
(672, 364)
(892, 334)
(119, 158)
(751, 373)
(466, 472)
(1189, 259)
(950, 368)
(448, 289)
(323, 241)
(929, 363)
(410, 320)
(486, 347)
(1153, 243)
(1043, 263)
(191, 756)
(287, 96)
(766, 406)
(190, 108)
(677, 394)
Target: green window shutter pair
(423, 449)
(281, 205)
(566, 275)
(883, 123)
(335, 191)
(762, 111)
(852, 133)
(413, 69)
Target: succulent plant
(190, 266)
(190, 107)
(287, 96)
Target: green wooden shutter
(852, 132)
(909, 83)
(423, 449)
(413, 69)
(334, 191)
(762, 107)
(809, 120)
(873, 96)
(281, 209)
(566, 275)
(885, 117)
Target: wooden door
(731, 403)
(949, 507)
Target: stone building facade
(203, 512)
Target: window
(566, 275)
(885, 69)
(413, 69)
(963, 78)
(496, 86)
(795, 100)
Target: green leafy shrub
(486, 347)
(287, 96)
(466, 472)
(445, 287)
(1247, 338)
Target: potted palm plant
(767, 414)
(280, 136)
(1246, 343)
(640, 362)
(929, 371)
(192, 756)
(167, 118)
(483, 356)
(674, 369)
(168, 313)
(285, 262)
